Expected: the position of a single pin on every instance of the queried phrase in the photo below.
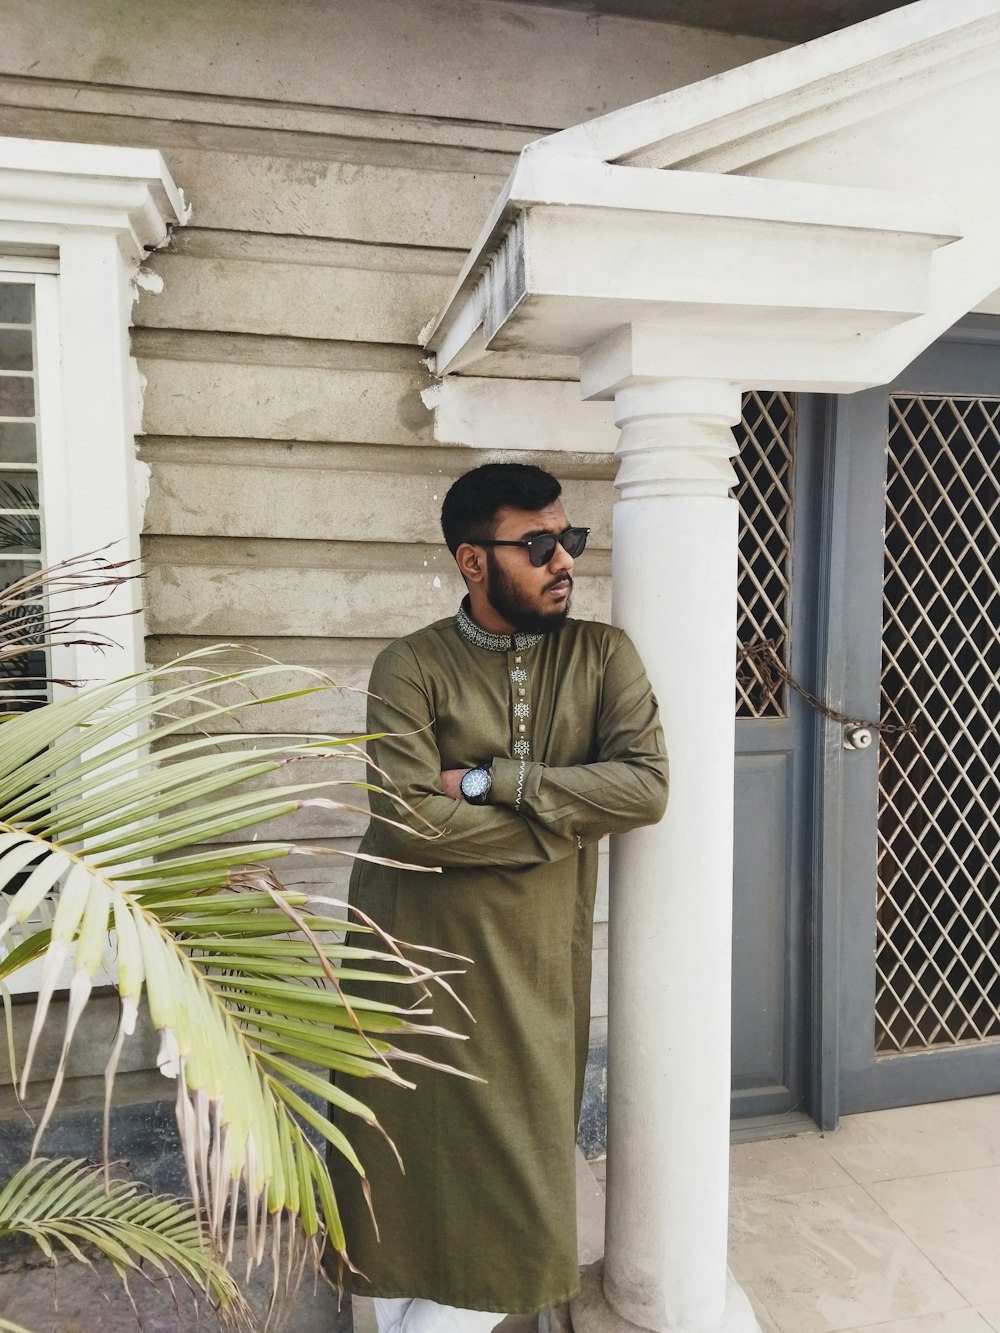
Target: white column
(674, 591)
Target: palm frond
(44, 608)
(65, 1204)
(253, 998)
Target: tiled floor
(890, 1224)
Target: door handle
(857, 738)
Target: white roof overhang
(49, 190)
(812, 220)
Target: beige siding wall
(340, 159)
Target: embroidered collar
(484, 638)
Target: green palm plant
(69, 1204)
(112, 803)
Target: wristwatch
(475, 785)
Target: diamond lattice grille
(938, 952)
(766, 437)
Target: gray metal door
(775, 731)
(911, 828)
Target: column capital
(676, 437)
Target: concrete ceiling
(790, 21)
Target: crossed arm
(535, 813)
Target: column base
(591, 1313)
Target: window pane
(20, 625)
(12, 569)
(15, 302)
(15, 349)
(19, 489)
(22, 683)
(19, 518)
(17, 442)
(17, 397)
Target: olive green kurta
(485, 1215)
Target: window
(75, 222)
(26, 304)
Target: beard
(508, 600)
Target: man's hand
(451, 782)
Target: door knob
(857, 738)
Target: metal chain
(764, 657)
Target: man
(524, 737)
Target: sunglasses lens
(574, 540)
(541, 550)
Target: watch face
(475, 783)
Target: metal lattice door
(915, 638)
(780, 438)
(937, 960)
(765, 479)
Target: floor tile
(955, 1220)
(991, 1313)
(767, 1324)
(954, 1321)
(831, 1259)
(918, 1140)
(983, 1119)
(589, 1213)
(784, 1166)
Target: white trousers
(419, 1316)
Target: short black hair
(471, 505)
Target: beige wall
(339, 159)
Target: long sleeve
(405, 759)
(626, 785)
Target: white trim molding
(763, 222)
(501, 415)
(742, 115)
(49, 190)
(91, 212)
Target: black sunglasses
(542, 548)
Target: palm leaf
(43, 608)
(64, 1204)
(254, 1000)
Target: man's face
(533, 600)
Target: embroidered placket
(514, 646)
(520, 710)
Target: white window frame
(89, 214)
(77, 220)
